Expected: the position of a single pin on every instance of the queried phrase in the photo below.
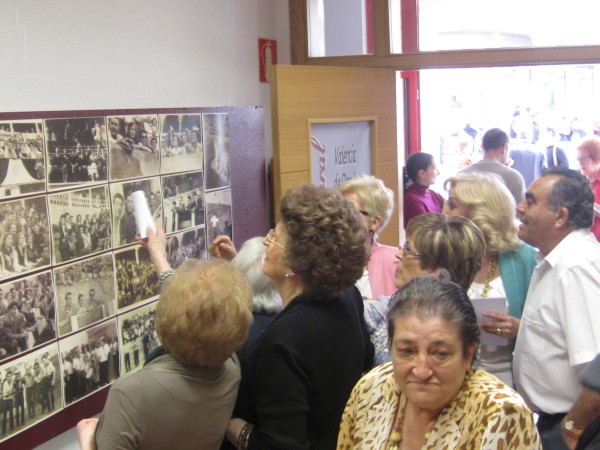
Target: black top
(298, 376)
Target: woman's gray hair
(265, 299)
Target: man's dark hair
(574, 192)
(493, 139)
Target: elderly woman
(420, 173)
(376, 203)
(588, 155)
(435, 245)
(299, 373)
(429, 397)
(266, 302)
(184, 395)
(507, 264)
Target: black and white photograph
(89, 360)
(137, 281)
(138, 337)
(189, 244)
(181, 143)
(216, 150)
(85, 293)
(22, 162)
(27, 314)
(76, 151)
(183, 201)
(124, 228)
(133, 146)
(24, 236)
(81, 223)
(218, 214)
(31, 390)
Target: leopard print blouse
(485, 415)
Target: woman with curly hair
(298, 375)
(507, 264)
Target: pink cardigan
(382, 269)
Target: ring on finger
(499, 331)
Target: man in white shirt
(560, 327)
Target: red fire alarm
(267, 57)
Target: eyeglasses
(273, 239)
(583, 159)
(408, 251)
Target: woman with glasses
(298, 375)
(429, 397)
(420, 173)
(588, 156)
(376, 203)
(507, 264)
(437, 245)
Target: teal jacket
(516, 268)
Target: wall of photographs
(77, 295)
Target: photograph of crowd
(133, 146)
(85, 293)
(218, 214)
(216, 150)
(22, 168)
(89, 360)
(27, 314)
(80, 223)
(180, 143)
(136, 278)
(138, 337)
(24, 236)
(183, 201)
(186, 245)
(124, 229)
(31, 390)
(76, 151)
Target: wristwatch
(569, 425)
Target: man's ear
(563, 217)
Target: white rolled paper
(141, 211)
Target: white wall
(128, 54)
(113, 54)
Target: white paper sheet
(490, 304)
(141, 211)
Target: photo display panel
(78, 296)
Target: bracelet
(164, 275)
(244, 437)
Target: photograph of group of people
(22, 168)
(30, 390)
(27, 314)
(24, 236)
(85, 292)
(80, 223)
(137, 280)
(181, 143)
(77, 294)
(137, 331)
(89, 360)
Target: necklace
(395, 435)
(489, 277)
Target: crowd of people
(184, 142)
(136, 281)
(27, 314)
(18, 145)
(81, 234)
(87, 367)
(24, 388)
(24, 238)
(357, 359)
